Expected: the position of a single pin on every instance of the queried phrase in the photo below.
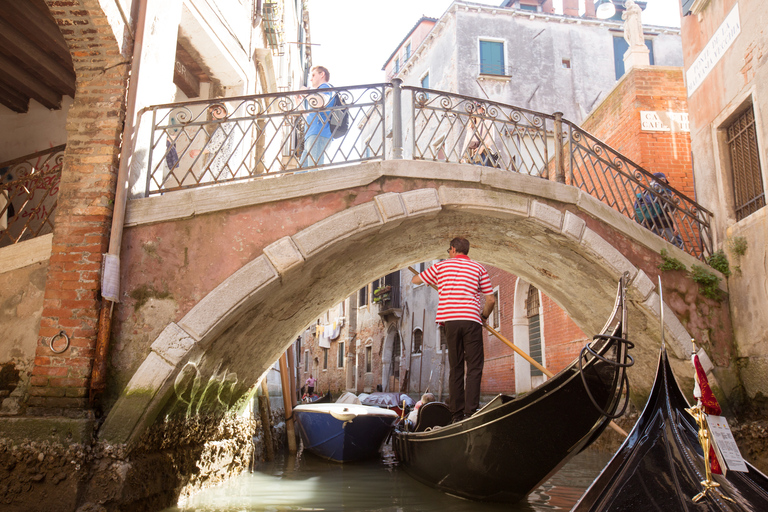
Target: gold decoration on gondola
(705, 440)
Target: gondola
(660, 466)
(512, 445)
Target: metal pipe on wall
(110, 278)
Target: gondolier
(460, 281)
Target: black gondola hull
(660, 466)
(506, 452)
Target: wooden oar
(525, 356)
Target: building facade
(526, 55)
(726, 75)
(64, 123)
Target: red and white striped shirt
(460, 281)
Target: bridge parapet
(207, 142)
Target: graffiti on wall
(196, 394)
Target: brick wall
(84, 211)
(562, 337)
(616, 121)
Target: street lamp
(604, 9)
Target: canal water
(304, 482)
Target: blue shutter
(491, 58)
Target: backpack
(339, 117)
(647, 209)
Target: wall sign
(656, 121)
(716, 47)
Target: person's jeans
(314, 150)
(669, 235)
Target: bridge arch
(555, 237)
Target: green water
(305, 482)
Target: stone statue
(633, 26)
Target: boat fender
(344, 415)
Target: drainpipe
(110, 277)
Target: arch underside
(239, 329)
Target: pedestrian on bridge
(318, 134)
(479, 147)
(460, 282)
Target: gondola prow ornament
(706, 404)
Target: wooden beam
(37, 60)
(37, 25)
(13, 100)
(26, 84)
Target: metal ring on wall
(53, 339)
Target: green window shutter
(491, 58)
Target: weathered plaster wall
(738, 79)
(21, 306)
(535, 47)
(34, 131)
(23, 270)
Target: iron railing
(29, 187)
(605, 174)
(450, 127)
(216, 141)
(208, 142)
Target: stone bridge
(219, 280)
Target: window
(534, 328)
(425, 81)
(495, 319)
(368, 355)
(325, 359)
(620, 47)
(531, 8)
(340, 362)
(396, 352)
(397, 65)
(306, 361)
(418, 341)
(362, 298)
(747, 179)
(567, 63)
(408, 51)
(492, 58)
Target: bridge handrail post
(559, 162)
(397, 119)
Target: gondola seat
(433, 414)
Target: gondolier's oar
(525, 356)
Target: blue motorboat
(343, 432)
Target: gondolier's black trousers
(465, 345)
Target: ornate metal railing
(623, 185)
(215, 141)
(28, 195)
